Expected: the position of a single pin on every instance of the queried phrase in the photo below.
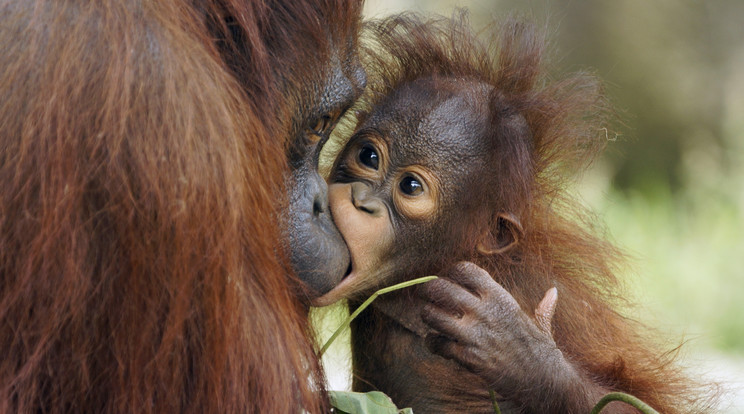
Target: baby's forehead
(433, 116)
(420, 97)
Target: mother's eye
(368, 157)
(322, 124)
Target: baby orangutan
(457, 168)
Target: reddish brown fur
(140, 159)
(560, 245)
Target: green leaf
(375, 402)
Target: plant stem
(496, 409)
(626, 398)
(367, 302)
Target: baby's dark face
(428, 134)
(408, 174)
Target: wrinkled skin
(479, 324)
(317, 251)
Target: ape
(462, 155)
(144, 149)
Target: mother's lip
(336, 293)
(339, 291)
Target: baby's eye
(411, 186)
(368, 157)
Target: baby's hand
(477, 323)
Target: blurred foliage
(687, 263)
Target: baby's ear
(503, 234)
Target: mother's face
(324, 90)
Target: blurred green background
(671, 185)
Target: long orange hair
(139, 168)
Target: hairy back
(137, 272)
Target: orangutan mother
(143, 148)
